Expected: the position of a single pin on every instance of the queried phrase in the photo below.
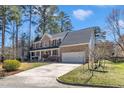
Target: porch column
(58, 52)
(40, 56)
(30, 56)
(51, 52)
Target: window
(55, 52)
(37, 53)
(32, 53)
(54, 43)
(49, 43)
(59, 41)
(43, 44)
(49, 52)
(37, 45)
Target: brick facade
(76, 48)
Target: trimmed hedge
(11, 65)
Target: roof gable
(60, 35)
(46, 36)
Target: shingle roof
(77, 37)
(37, 39)
(54, 36)
(59, 35)
(74, 37)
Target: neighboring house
(118, 52)
(8, 52)
(68, 46)
(106, 49)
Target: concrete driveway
(40, 77)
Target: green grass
(26, 66)
(113, 77)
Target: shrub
(45, 55)
(53, 58)
(11, 65)
(19, 59)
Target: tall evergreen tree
(23, 45)
(29, 12)
(4, 13)
(64, 22)
(54, 25)
(46, 13)
(15, 18)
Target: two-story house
(68, 46)
(47, 44)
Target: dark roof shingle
(77, 37)
(38, 38)
(61, 35)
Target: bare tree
(113, 25)
(95, 52)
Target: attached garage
(74, 48)
(73, 57)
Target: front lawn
(113, 77)
(23, 67)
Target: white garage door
(74, 57)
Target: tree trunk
(3, 36)
(22, 50)
(29, 42)
(62, 26)
(17, 41)
(13, 40)
(30, 25)
(44, 21)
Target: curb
(84, 85)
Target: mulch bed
(4, 73)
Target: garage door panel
(73, 57)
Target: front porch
(43, 55)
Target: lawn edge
(22, 71)
(85, 85)
(34, 67)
